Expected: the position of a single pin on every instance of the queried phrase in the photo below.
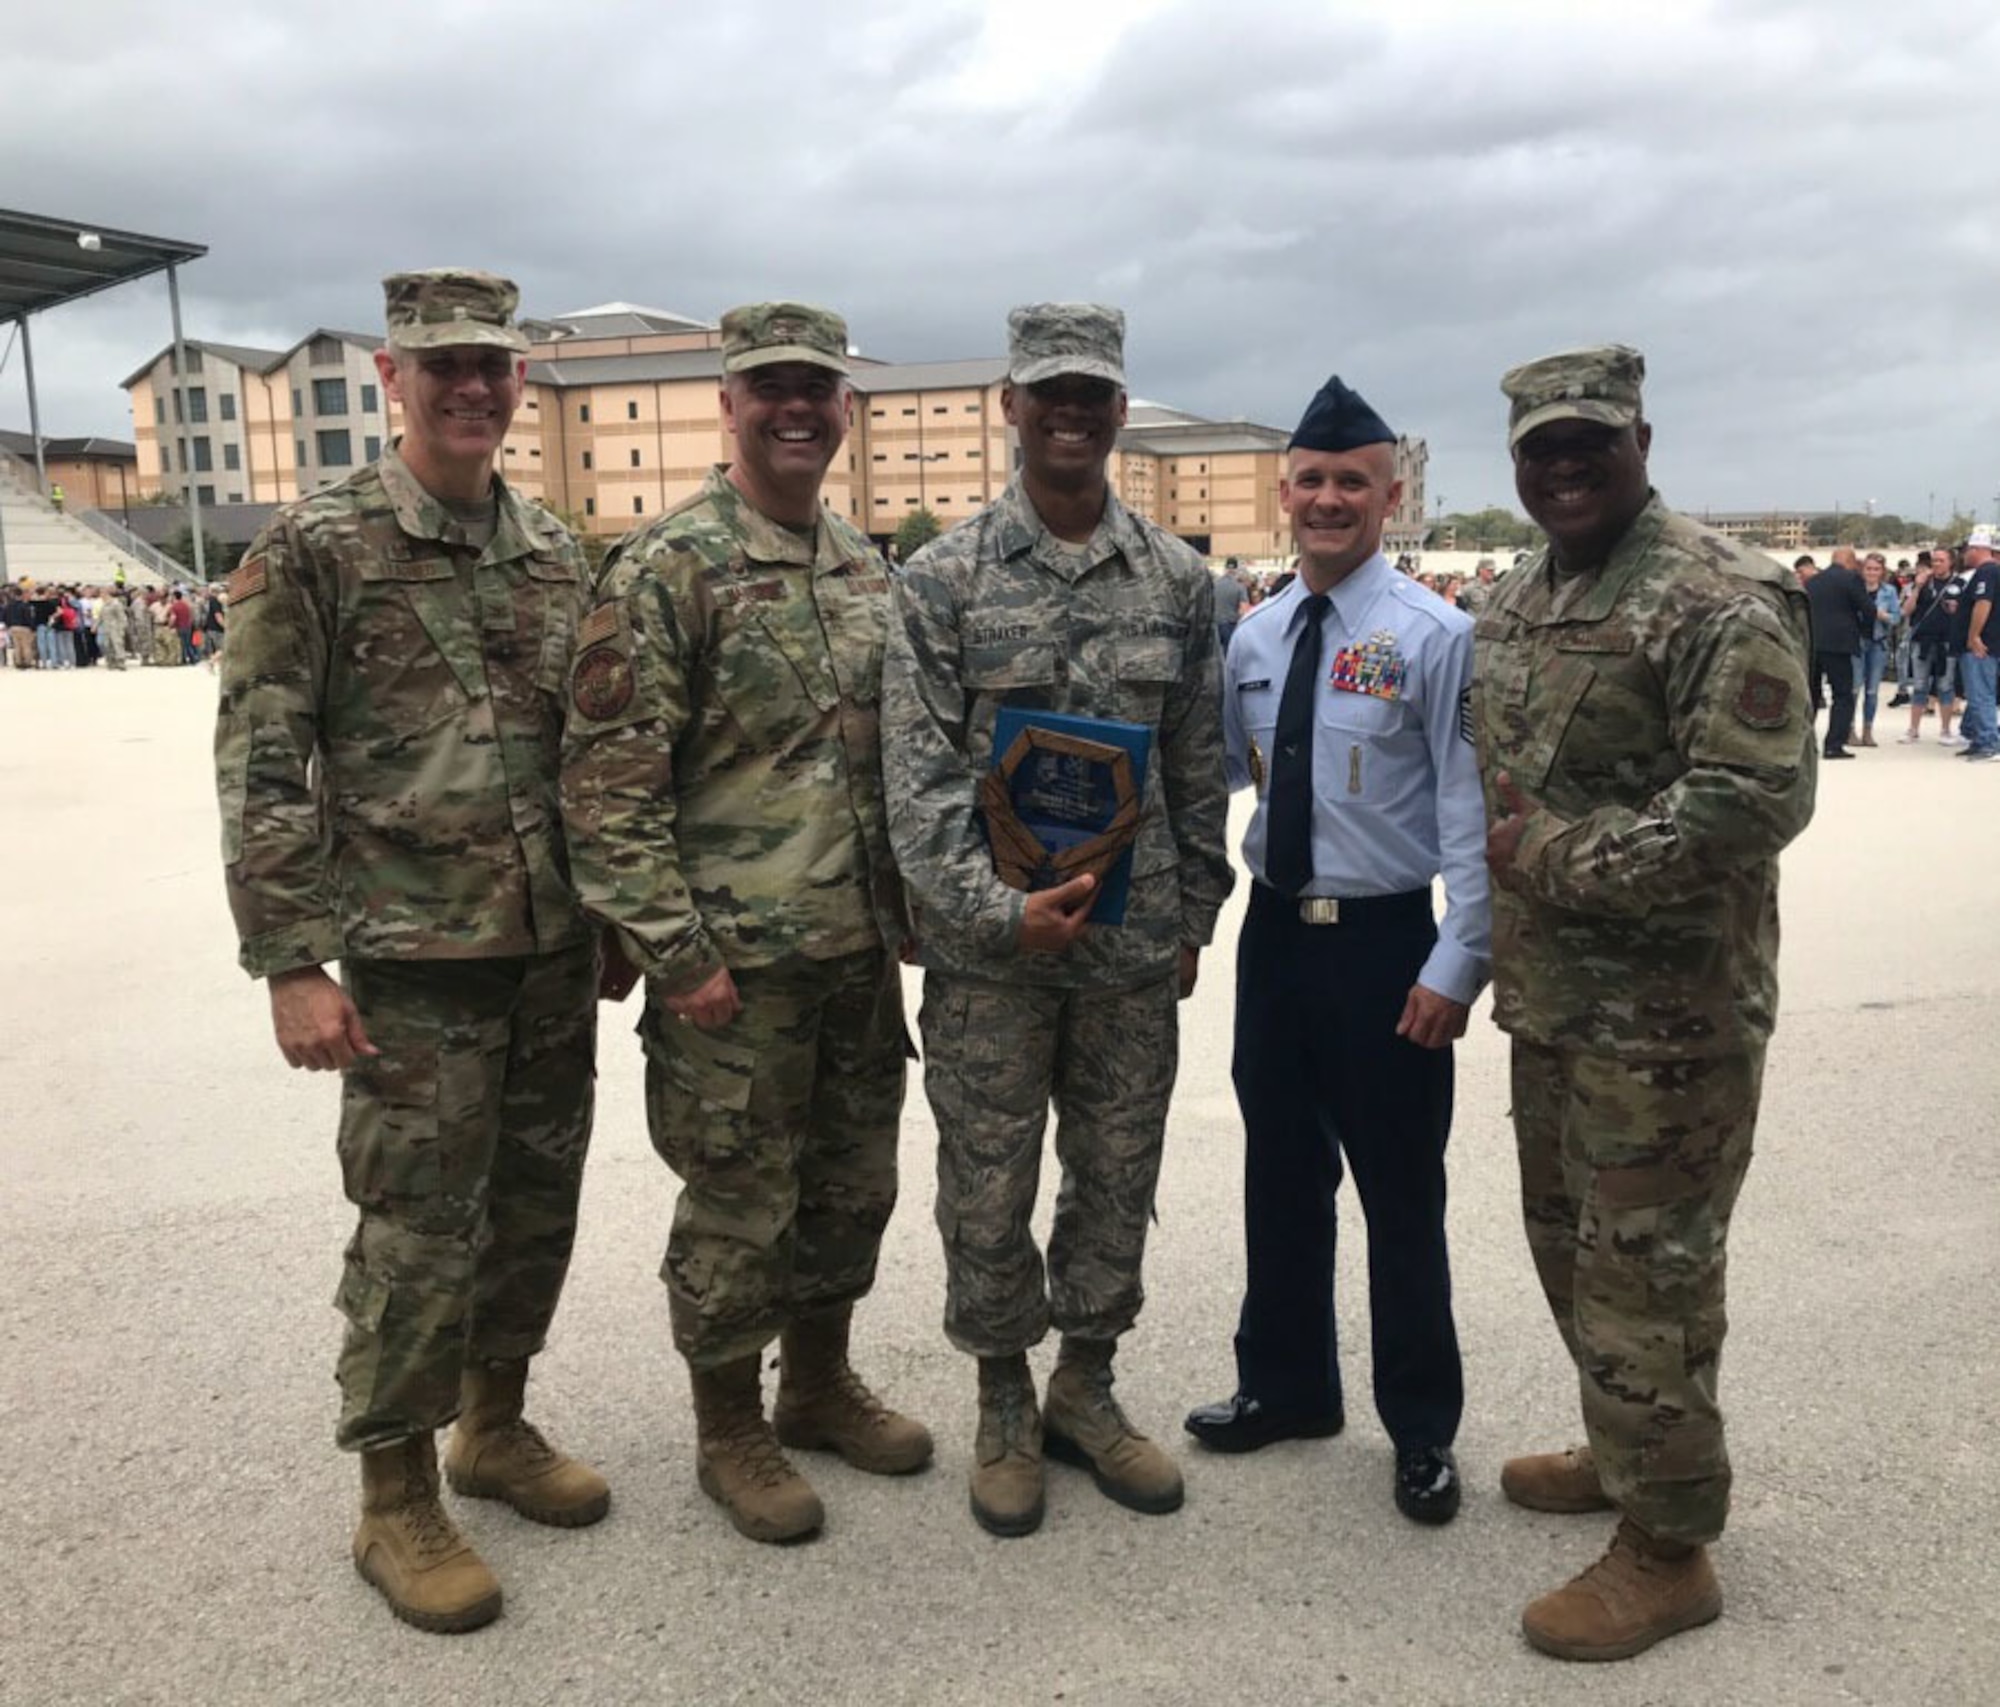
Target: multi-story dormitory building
(619, 422)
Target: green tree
(218, 557)
(914, 532)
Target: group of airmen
(742, 762)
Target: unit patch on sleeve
(602, 683)
(1764, 702)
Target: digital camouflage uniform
(723, 796)
(113, 627)
(998, 612)
(1655, 714)
(386, 755)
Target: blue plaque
(1064, 796)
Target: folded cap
(1339, 418)
(1045, 339)
(1600, 385)
(444, 306)
(760, 333)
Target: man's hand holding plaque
(1054, 918)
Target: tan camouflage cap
(1600, 384)
(760, 333)
(444, 306)
(1045, 339)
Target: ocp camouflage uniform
(722, 791)
(386, 755)
(997, 612)
(1656, 715)
(112, 630)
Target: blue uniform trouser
(1978, 725)
(1320, 1073)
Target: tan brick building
(619, 422)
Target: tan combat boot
(1641, 1591)
(1084, 1426)
(1555, 1481)
(1007, 1495)
(823, 1406)
(738, 1461)
(495, 1455)
(409, 1548)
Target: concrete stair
(38, 543)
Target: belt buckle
(1319, 910)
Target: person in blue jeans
(1979, 662)
(1873, 658)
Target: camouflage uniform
(112, 629)
(723, 797)
(386, 756)
(998, 612)
(1655, 714)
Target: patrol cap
(760, 333)
(1600, 384)
(1339, 418)
(443, 306)
(1046, 339)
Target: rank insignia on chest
(1376, 667)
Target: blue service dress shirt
(1396, 797)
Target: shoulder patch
(1764, 702)
(247, 581)
(600, 624)
(601, 685)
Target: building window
(236, 497)
(232, 458)
(298, 401)
(909, 411)
(204, 457)
(881, 503)
(371, 448)
(325, 352)
(631, 411)
(204, 495)
(329, 397)
(876, 414)
(583, 413)
(972, 408)
(635, 459)
(335, 448)
(370, 402)
(974, 452)
(881, 456)
(638, 506)
(179, 413)
(589, 462)
(939, 409)
(194, 359)
(228, 402)
(299, 445)
(197, 405)
(590, 506)
(910, 500)
(534, 450)
(159, 411)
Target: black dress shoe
(1243, 1424)
(1427, 1483)
(1836, 753)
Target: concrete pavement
(177, 1521)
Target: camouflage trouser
(1629, 1171)
(462, 1144)
(113, 647)
(783, 1125)
(995, 1057)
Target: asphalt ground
(177, 1521)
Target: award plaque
(1063, 798)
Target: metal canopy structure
(46, 262)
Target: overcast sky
(1791, 208)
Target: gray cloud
(1785, 205)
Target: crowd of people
(52, 627)
(1930, 626)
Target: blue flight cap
(1339, 418)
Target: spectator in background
(1805, 569)
(18, 617)
(1229, 596)
(180, 614)
(1933, 670)
(1978, 629)
(1873, 658)
(1842, 613)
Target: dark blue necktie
(1288, 852)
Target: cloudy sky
(1791, 208)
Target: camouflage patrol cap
(1045, 339)
(1600, 384)
(760, 333)
(444, 306)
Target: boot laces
(1099, 1398)
(853, 1392)
(430, 1526)
(754, 1447)
(522, 1437)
